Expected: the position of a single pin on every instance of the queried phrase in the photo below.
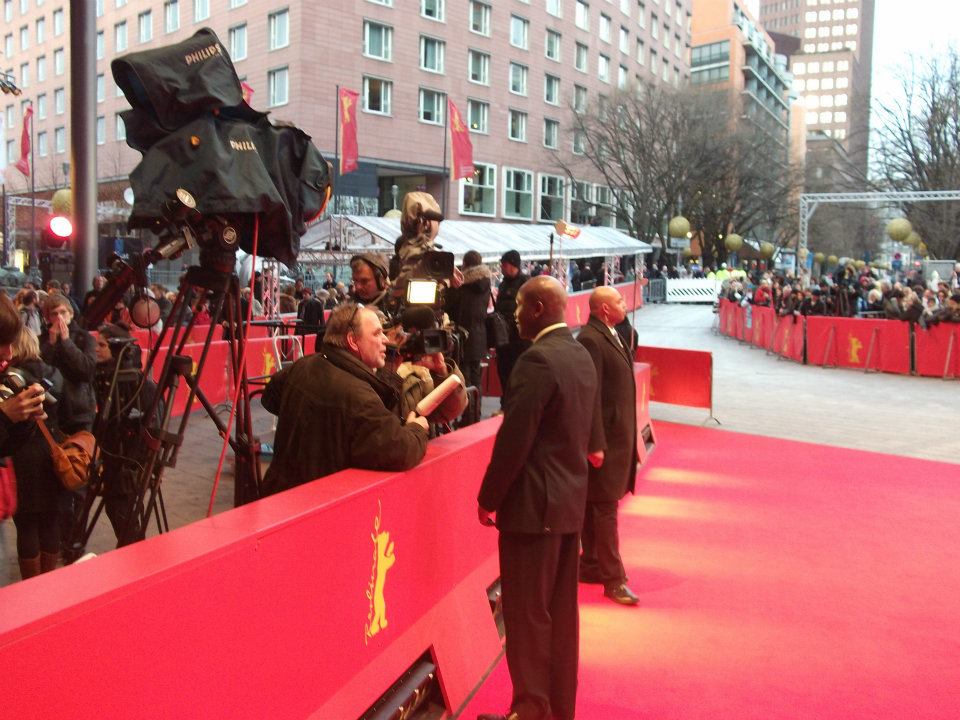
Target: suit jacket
(617, 433)
(537, 477)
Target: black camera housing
(437, 264)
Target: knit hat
(511, 257)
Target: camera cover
(189, 120)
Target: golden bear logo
(654, 372)
(786, 340)
(854, 346)
(269, 364)
(383, 560)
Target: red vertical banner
(460, 143)
(348, 152)
(23, 164)
(247, 91)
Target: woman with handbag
(38, 489)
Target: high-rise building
(832, 67)
(514, 70)
(731, 50)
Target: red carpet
(777, 580)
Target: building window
(279, 25)
(58, 61)
(551, 133)
(101, 130)
(518, 79)
(42, 144)
(431, 54)
(201, 11)
(237, 3)
(580, 60)
(641, 52)
(377, 40)
(582, 15)
(101, 88)
(479, 67)
(431, 107)
(479, 18)
(624, 40)
(579, 99)
(171, 16)
(552, 45)
(24, 37)
(41, 106)
(41, 30)
(237, 38)
(8, 45)
(518, 194)
(604, 30)
(24, 75)
(579, 142)
(478, 116)
(121, 127)
(519, 32)
(120, 36)
(479, 191)
(278, 90)
(100, 45)
(59, 101)
(432, 9)
(551, 198)
(145, 26)
(518, 126)
(555, 7)
(551, 89)
(622, 76)
(377, 95)
(58, 22)
(603, 68)
(60, 139)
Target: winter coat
(467, 308)
(334, 413)
(76, 359)
(38, 489)
(507, 302)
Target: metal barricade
(655, 291)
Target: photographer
(122, 395)
(39, 491)
(335, 413)
(467, 307)
(73, 351)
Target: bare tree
(918, 147)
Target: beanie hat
(511, 257)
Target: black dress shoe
(621, 594)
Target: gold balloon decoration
(912, 239)
(832, 260)
(679, 227)
(733, 242)
(766, 250)
(922, 248)
(859, 264)
(802, 253)
(819, 257)
(62, 202)
(898, 229)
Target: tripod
(158, 443)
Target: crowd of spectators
(850, 292)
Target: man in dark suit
(536, 485)
(613, 448)
(506, 305)
(310, 314)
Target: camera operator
(122, 395)
(334, 412)
(370, 284)
(38, 489)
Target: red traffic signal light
(58, 231)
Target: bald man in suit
(613, 448)
(536, 487)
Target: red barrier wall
(679, 377)
(788, 336)
(936, 356)
(641, 374)
(859, 343)
(578, 304)
(272, 609)
(762, 325)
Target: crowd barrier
(692, 291)
(310, 603)
(655, 291)
(679, 377)
(868, 344)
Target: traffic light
(57, 232)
